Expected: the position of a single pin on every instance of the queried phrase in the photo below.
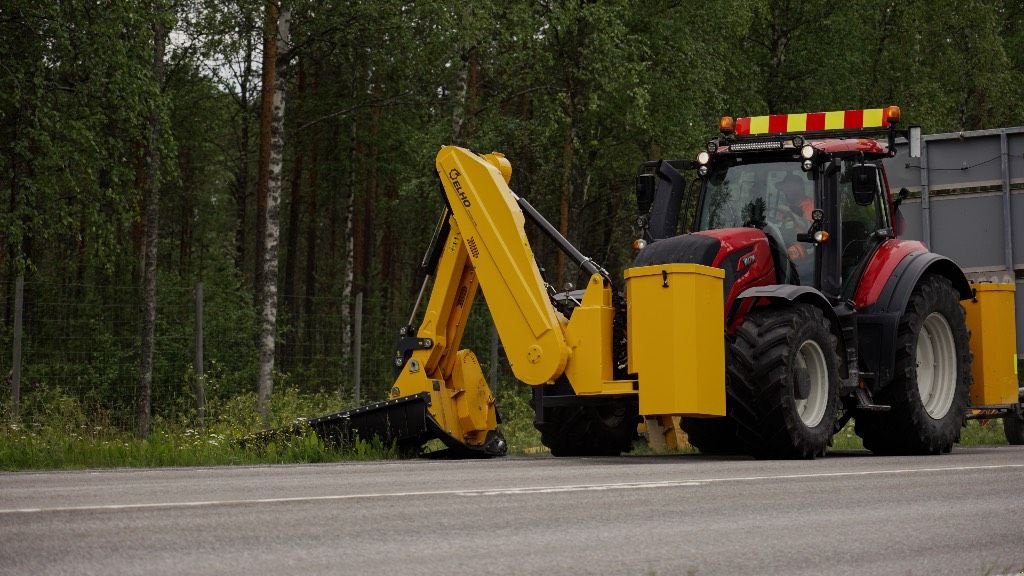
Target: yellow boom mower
(660, 361)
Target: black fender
(793, 293)
(878, 323)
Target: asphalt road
(850, 513)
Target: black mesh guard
(686, 249)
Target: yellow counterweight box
(676, 333)
(990, 318)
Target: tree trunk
(270, 38)
(348, 272)
(563, 213)
(241, 184)
(349, 276)
(188, 210)
(152, 211)
(292, 241)
(312, 229)
(268, 323)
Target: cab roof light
(892, 114)
(756, 146)
(815, 122)
(726, 125)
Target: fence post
(1004, 152)
(19, 305)
(198, 368)
(357, 348)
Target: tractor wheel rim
(811, 410)
(936, 365)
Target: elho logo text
(453, 175)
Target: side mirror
(865, 181)
(644, 193)
(902, 195)
(914, 137)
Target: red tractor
(829, 315)
(791, 250)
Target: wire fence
(74, 357)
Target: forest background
(233, 175)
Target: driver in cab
(793, 213)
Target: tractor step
(865, 404)
(874, 408)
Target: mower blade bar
(404, 421)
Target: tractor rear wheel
(783, 382)
(931, 379)
(589, 430)
(1013, 428)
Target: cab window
(860, 225)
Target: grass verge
(66, 442)
(64, 438)
(48, 449)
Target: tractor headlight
(712, 147)
(807, 152)
(703, 170)
(807, 165)
(703, 158)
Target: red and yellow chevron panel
(817, 121)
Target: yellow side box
(990, 318)
(676, 333)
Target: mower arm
(486, 248)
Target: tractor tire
(607, 430)
(931, 379)
(783, 382)
(1013, 428)
(712, 435)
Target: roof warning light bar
(876, 118)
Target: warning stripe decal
(812, 122)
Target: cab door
(864, 222)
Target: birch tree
(152, 223)
(271, 238)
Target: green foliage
(62, 435)
(517, 419)
(48, 449)
(576, 94)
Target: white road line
(507, 491)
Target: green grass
(63, 440)
(48, 449)
(976, 433)
(517, 420)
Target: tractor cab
(811, 183)
(826, 310)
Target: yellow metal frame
(676, 338)
(991, 321)
(487, 248)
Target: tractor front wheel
(931, 379)
(783, 383)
